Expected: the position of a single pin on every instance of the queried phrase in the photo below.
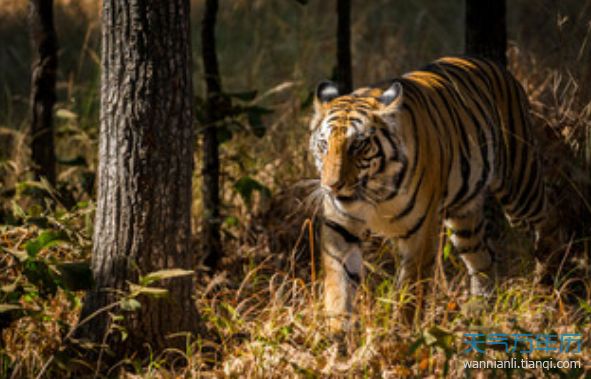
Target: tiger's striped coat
(399, 162)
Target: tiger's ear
(391, 99)
(325, 92)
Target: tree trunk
(344, 70)
(486, 29)
(44, 45)
(143, 221)
(215, 109)
(486, 36)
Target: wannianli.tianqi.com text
(546, 364)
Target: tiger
(423, 153)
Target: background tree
(215, 108)
(43, 97)
(486, 36)
(344, 68)
(144, 177)
(486, 29)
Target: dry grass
(263, 309)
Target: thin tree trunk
(214, 113)
(143, 221)
(486, 36)
(43, 97)
(344, 69)
(486, 29)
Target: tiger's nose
(335, 185)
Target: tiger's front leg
(417, 249)
(343, 270)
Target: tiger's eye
(322, 145)
(358, 145)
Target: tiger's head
(355, 143)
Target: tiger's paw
(483, 283)
(339, 339)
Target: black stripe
(469, 250)
(482, 137)
(411, 204)
(354, 120)
(510, 134)
(420, 223)
(465, 173)
(397, 181)
(344, 101)
(347, 236)
(355, 278)
(468, 233)
(331, 118)
(379, 155)
(390, 141)
(475, 192)
(347, 199)
(361, 166)
(408, 106)
(414, 229)
(527, 192)
(362, 111)
(342, 212)
(537, 209)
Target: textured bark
(214, 112)
(143, 219)
(344, 69)
(43, 97)
(486, 29)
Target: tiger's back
(426, 150)
(479, 113)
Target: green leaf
(117, 317)
(31, 188)
(150, 291)
(231, 221)
(255, 119)
(5, 308)
(72, 161)
(75, 276)
(20, 255)
(164, 274)
(40, 276)
(17, 211)
(130, 305)
(9, 288)
(224, 134)
(45, 239)
(244, 96)
(438, 337)
(65, 114)
(124, 334)
(41, 222)
(308, 101)
(415, 345)
(81, 204)
(447, 251)
(585, 305)
(35, 210)
(199, 109)
(245, 187)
